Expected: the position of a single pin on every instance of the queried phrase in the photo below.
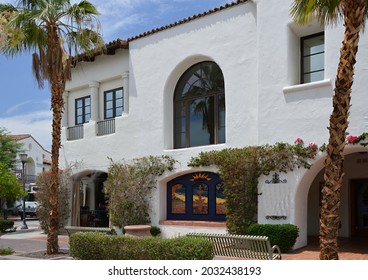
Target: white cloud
(37, 123)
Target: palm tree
(353, 13)
(45, 28)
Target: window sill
(308, 86)
(192, 223)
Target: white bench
(241, 246)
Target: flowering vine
(352, 139)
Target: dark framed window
(312, 58)
(199, 107)
(82, 110)
(196, 196)
(114, 103)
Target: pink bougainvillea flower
(351, 139)
(312, 146)
(299, 141)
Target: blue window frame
(196, 196)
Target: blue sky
(25, 109)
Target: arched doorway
(354, 202)
(88, 199)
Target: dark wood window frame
(184, 102)
(114, 100)
(84, 115)
(303, 56)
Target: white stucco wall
(256, 45)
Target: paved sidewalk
(34, 240)
(27, 241)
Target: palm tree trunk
(57, 108)
(354, 12)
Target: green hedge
(96, 246)
(283, 235)
(5, 225)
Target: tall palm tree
(45, 28)
(353, 13)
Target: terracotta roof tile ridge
(187, 19)
(18, 137)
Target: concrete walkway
(34, 240)
(25, 241)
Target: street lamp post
(23, 158)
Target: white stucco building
(263, 79)
(38, 158)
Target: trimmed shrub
(283, 235)
(5, 225)
(96, 246)
(155, 231)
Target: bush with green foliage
(240, 169)
(43, 195)
(129, 188)
(6, 225)
(96, 246)
(283, 235)
(155, 231)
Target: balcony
(75, 132)
(106, 127)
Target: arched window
(199, 107)
(196, 196)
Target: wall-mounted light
(275, 179)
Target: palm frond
(325, 11)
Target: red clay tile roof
(20, 136)
(111, 47)
(185, 20)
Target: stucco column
(64, 120)
(125, 77)
(93, 89)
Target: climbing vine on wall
(241, 168)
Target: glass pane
(220, 199)
(201, 122)
(79, 120)
(119, 103)
(79, 103)
(200, 199)
(109, 105)
(314, 63)
(87, 117)
(109, 114)
(108, 96)
(87, 110)
(87, 101)
(178, 199)
(119, 94)
(221, 120)
(314, 45)
(119, 111)
(79, 111)
(312, 77)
